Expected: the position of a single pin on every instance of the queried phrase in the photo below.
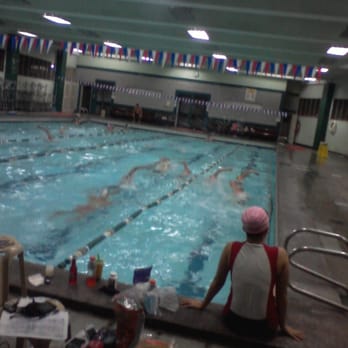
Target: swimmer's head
(104, 193)
(242, 197)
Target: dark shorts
(248, 327)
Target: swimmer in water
(160, 167)
(186, 171)
(47, 131)
(237, 185)
(109, 128)
(93, 203)
(214, 176)
(62, 130)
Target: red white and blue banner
(230, 65)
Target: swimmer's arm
(281, 295)
(187, 170)
(215, 175)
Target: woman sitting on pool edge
(256, 269)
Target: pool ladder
(319, 275)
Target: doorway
(192, 110)
(86, 98)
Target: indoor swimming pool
(65, 190)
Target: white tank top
(251, 280)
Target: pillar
(58, 92)
(323, 116)
(11, 74)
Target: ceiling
(294, 32)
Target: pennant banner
(164, 59)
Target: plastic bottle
(112, 282)
(152, 283)
(91, 276)
(73, 272)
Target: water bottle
(152, 283)
(73, 272)
(112, 282)
(91, 280)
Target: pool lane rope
(85, 249)
(78, 135)
(60, 151)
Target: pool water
(179, 223)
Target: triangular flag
(203, 61)
(49, 45)
(209, 62)
(247, 66)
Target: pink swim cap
(255, 220)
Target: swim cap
(105, 193)
(255, 220)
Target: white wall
(71, 90)
(307, 131)
(309, 123)
(338, 142)
(162, 83)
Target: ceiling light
(219, 56)
(231, 68)
(324, 70)
(55, 19)
(337, 51)
(198, 34)
(76, 51)
(25, 33)
(186, 65)
(147, 59)
(112, 44)
(310, 79)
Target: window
(34, 67)
(340, 109)
(308, 107)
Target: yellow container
(323, 151)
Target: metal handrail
(315, 273)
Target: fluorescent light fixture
(324, 70)
(147, 59)
(186, 65)
(337, 51)
(310, 79)
(198, 34)
(219, 56)
(25, 33)
(55, 19)
(231, 68)
(112, 44)
(76, 51)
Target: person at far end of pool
(252, 307)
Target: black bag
(37, 309)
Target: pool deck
(310, 194)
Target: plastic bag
(130, 322)
(168, 298)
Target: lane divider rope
(60, 151)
